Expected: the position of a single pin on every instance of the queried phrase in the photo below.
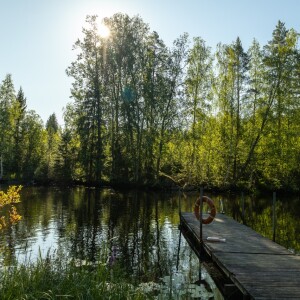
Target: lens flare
(103, 30)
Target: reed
(57, 279)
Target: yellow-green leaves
(10, 197)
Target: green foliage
(225, 119)
(126, 101)
(9, 198)
(57, 279)
(21, 134)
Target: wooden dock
(256, 266)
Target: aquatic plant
(57, 279)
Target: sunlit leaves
(9, 198)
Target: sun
(103, 30)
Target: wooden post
(274, 216)
(178, 251)
(179, 201)
(1, 167)
(221, 206)
(201, 238)
(243, 206)
(179, 227)
(201, 213)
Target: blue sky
(37, 35)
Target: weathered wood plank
(256, 265)
(275, 297)
(279, 292)
(239, 238)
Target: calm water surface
(141, 227)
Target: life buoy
(212, 207)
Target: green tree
(88, 91)
(18, 112)
(198, 83)
(162, 86)
(125, 63)
(66, 158)
(53, 140)
(280, 61)
(256, 113)
(7, 98)
(231, 92)
(154, 92)
(34, 139)
(169, 107)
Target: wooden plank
(275, 297)
(256, 265)
(279, 293)
(261, 260)
(239, 238)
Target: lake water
(140, 227)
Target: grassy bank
(55, 279)
(50, 279)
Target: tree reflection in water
(139, 228)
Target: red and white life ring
(212, 207)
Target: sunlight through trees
(140, 109)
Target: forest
(142, 112)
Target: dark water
(141, 227)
